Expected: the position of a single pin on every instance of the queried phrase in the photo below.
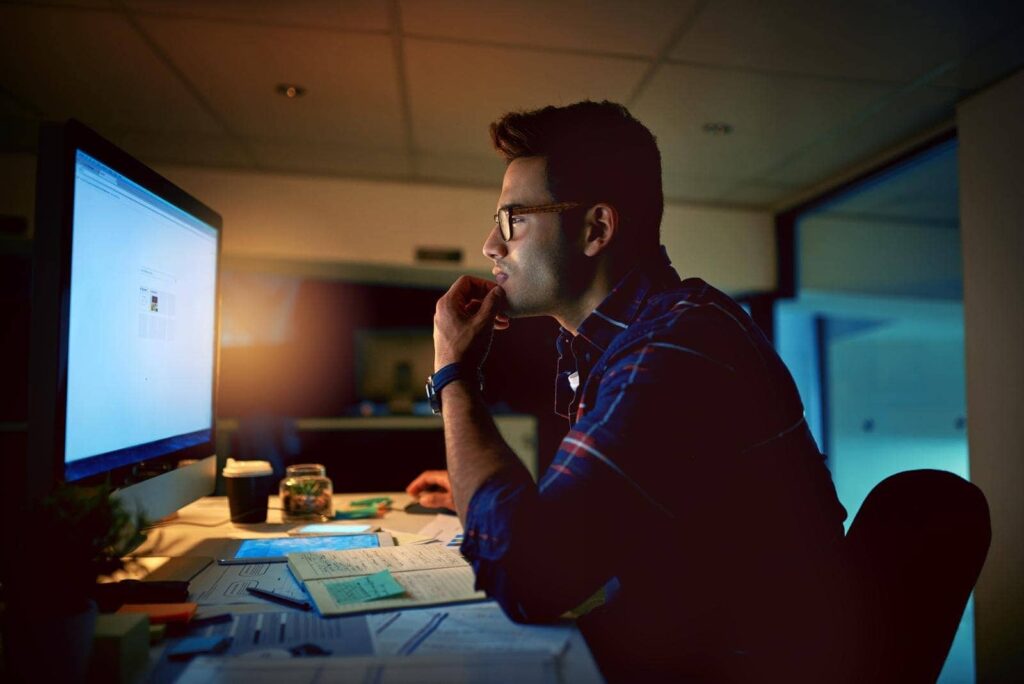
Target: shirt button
(587, 357)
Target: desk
(199, 524)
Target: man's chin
(512, 310)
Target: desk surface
(198, 525)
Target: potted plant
(64, 543)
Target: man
(688, 486)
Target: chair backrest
(915, 550)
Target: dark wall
(312, 372)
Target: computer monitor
(125, 327)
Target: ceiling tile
(996, 60)
(924, 190)
(889, 41)
(772, 116)
(181, 147)
(895, 120)
(458, 90)
(352, 94)
(639, 27)
(93, 66)
(362, 15)
(330, 159)
(81, 4)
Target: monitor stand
(162, 496)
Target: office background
(849, 170)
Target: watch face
(432, 398)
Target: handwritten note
(370, 588)
(356, 562)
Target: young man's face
(533, 266)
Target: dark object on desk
(207, 620)
(111, 596)
(915, 549)
(309, 650)
(278, 598)
(419, 509)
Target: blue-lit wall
(875, 336)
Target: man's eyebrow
(511, 205)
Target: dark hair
(595, 152)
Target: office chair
(915, 550)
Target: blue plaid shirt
(688, 484)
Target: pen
(278, 598)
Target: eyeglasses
(504, 216)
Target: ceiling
(922, 191)
(405, 89)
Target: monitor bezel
(59, 145)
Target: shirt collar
(623, 304)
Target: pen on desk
(278, 598)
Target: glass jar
(307, 494)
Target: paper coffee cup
(248, 484)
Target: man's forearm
(474, 447)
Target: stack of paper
(427, 575)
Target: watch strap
(438, 381)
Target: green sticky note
(370, 588)
(372, 502)
(356, 514)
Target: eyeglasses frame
(509, 212)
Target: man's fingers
(428, 479)
(439, 500)
(470, 287)
(493, 303)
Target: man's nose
(494, 246)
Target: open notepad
(429, 574)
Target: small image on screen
(278, 548)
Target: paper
(481, 627)
(442, 528)
(279, 630)
(408, 538)
(227, 584)
(518, 668)
(422, 588)
(356, 562)
(369, 588)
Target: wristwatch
(447, 374)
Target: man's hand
(432, 489)
(464, 321)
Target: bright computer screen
(141, 324)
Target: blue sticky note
(370, 588)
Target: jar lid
(235, 468)
(306, 469)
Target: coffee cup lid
(235, 468)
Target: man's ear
(599, 228)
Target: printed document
(428, 575)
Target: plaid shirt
(687, 466)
